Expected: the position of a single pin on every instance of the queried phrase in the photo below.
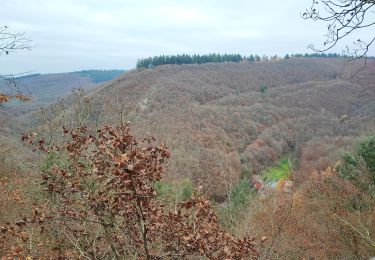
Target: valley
(257, 137)
(218, 123)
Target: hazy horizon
(71, 36)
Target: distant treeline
(188, 59)
(98, 76)
(207, 58)
(28, 76)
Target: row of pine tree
(214, 57)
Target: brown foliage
(326, 218)
(319, 153)
(5, 98)
(103, 203)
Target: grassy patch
(176, 192)
(281, 171)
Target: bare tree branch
(12, 42)
(343, 17)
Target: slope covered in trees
(227, 120)
(44, 89)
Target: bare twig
(343, 18)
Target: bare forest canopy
(179, 59)
(235, 119)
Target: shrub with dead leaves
(103, 202)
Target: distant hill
(98, 76)
(227, 120)
(47, 88)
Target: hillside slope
(220, 124)
(47, 88)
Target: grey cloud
(71, 35)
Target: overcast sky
(111, 34)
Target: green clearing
(281, 171)
(179, 191)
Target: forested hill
(226, 120)
(98, 76)
(45, 89)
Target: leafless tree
(12, 42)
(343, 17)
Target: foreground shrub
(321, 219)
(103, 204)
(360, 166)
